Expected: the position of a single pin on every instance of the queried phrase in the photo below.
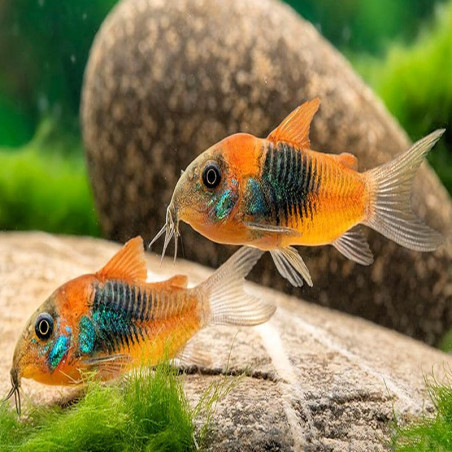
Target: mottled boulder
(167, 79)
(316, 380)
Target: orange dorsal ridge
(295, 128)
(127, 264)
(348, 160)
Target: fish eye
(211, 176)
(44, 326)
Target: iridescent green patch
(58, 351)
(87, 335)
(225, 204)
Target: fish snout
(15, 378)
(170, 229)
(15, 389)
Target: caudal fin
(228, 302)
(390, 204)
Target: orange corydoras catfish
(276, 192)
(113, 320)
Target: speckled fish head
(46, 341)
(206, 191)
(35, 348)
(207, 195)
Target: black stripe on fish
(289, 179)
(117, 311)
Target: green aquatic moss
(148, 412)
(43, 187)
(429, 434)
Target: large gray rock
(167, 79)
(315, 379)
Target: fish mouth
(15, 390)
(170, 228)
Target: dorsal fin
(179, 281)
(295, 128)
(128, 263)
(348, 160)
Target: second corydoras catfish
(276, 192)
(113, 320)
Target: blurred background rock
(403, 49)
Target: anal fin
(353, 244)
(291, 266)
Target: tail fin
(228, 302)
(390, 205)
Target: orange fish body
(113, 320)
(276, 192)
(333, 196)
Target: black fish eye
(211, 176)
(44, 326)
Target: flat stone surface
(315, 379)
(167, 79)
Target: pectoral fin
(271, 229)
(108, 366)
(353, 244)
(291, 266)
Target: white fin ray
(108, 366)
(291, 266)
(271, 229)
(193, 354)
(390, 209)
(229, 304)
(353, 245)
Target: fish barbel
(113, 320)
(276, 192)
